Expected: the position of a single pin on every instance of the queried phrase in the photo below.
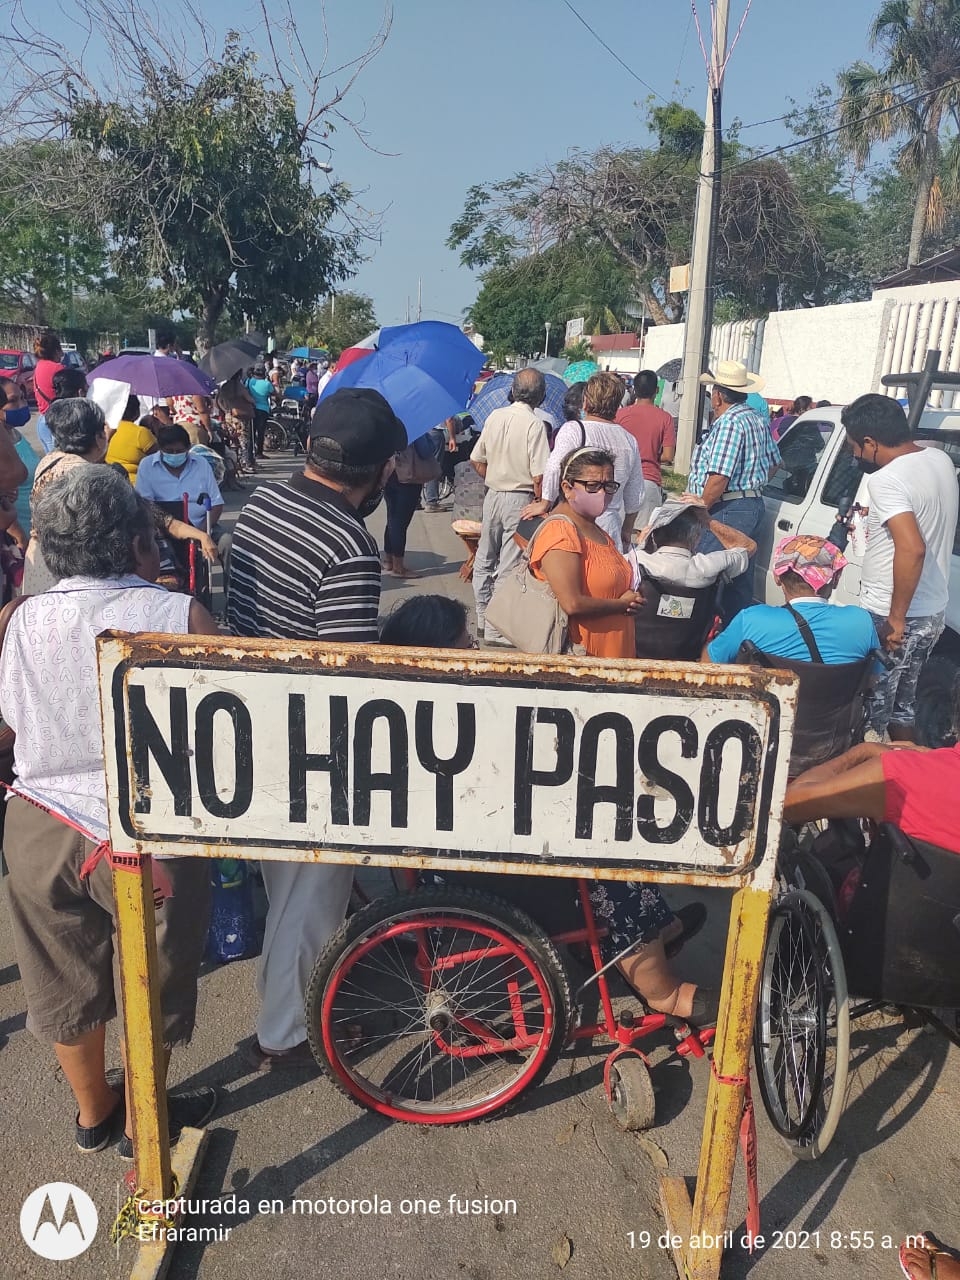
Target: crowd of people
(635, 572)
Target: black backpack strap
(583, 435)
(803, 626)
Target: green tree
(205, 163)
(637, 205)
(343, 320)
(46, 257)
(912, 96)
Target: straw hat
(733, 374)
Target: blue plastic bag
(233, 930)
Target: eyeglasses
(594, 486)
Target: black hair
(165, 338)
(577, 461)
(3, 395)
(801, 405)
(730, 396)
(573, 401)
(68, 383)
(132, 412)
(879, 417)
(645, 384)
(173, 434)
(426, 622)
(680, 531)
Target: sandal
(704, 1011)
(693, 919)
(933, 1249)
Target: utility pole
(419, 298)
(699, 315)
(546, 341)
(408, 308)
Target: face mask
(177, 460)
(18, 417)
(866, 465)
(586, 504)
(370, 503)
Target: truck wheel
(938, 701)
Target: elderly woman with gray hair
(79, 432)
(96, 536)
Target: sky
(474, 92)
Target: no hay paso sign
(413, 757)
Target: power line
(826, 110)
(613, 53)
(840, 128)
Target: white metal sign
(559, 765)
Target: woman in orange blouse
(591, 581)
(586, 572)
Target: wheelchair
(443, 1004)
(881, 921)
(183, 566)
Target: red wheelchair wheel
(438, 1006)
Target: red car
(18, 366)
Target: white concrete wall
(738, 340)
(919, 292)
(829, 353)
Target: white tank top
(49, 693)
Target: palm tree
(912, 95)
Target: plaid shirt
(739, 446)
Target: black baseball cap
(356, 426)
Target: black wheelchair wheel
(802, 1036)
(275, 436)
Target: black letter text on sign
(396, 779)
(525, 777)
(655, 773)
(446, 770)
(589, 792)
(173, 759)
(206, 722)
(302, 761)
(750, 751)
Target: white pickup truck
(820, 478)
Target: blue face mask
(18, 417)
(177, 460)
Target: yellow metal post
(731, 1061)
(143, 1030)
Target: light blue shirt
(844, 633)
(261, 389)
(195, 477)
(739, 446)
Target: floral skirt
(632, 912)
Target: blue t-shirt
(261, 390)
(844, 633)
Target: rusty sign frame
(120, 657)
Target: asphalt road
(579, 1184)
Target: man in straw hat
(730, 466)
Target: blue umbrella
(493, 395)
(424, 371)
(308, 353)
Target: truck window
(843, 481)
(800, 450)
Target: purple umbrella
(157, 376)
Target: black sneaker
(97, 1136)
(189, 1110)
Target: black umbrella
(670, 372)
(228, 358)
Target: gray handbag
(525, 610)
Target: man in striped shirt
(304, 567)
(730, 467)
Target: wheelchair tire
(632, 1099)
(802, 1035)
(439, 1006)
(275, 436)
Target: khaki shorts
(64, 931)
